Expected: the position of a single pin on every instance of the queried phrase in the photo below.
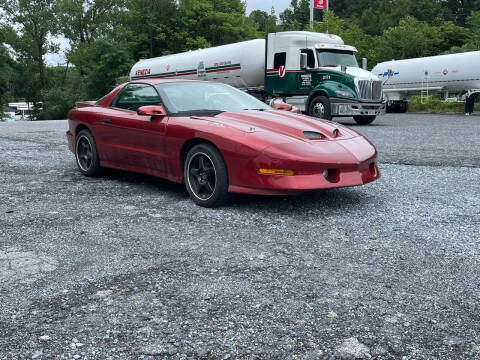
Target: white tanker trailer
(315, 72)
(448, 74)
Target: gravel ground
(126, 267)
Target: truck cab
(319, 74)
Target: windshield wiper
(330, 65)
(256, 109)
(205, 112)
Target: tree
(6, 76)
(36, 21)
(147, 27)
(86, 20)
(473, 22)
(100, 63)
(266, 23)
(297, 17)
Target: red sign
(320, 4)
(281, 71)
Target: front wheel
(320, 108)
(364, 120)
(206, 177)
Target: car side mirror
(303, 61)
(282, 106)
(152, 110)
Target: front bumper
(348, 108)
(348, 162)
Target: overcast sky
(266, 5)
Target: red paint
(248, 140)
(142, 72)
(320, 4)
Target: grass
(436, 104)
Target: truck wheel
(364, 120)
(320, 108)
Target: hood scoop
(315, 135)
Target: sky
(265, 5)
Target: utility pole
(311, 14)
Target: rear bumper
(71, 141)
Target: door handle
(106, 120)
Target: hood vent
(313, 135)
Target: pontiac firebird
(217, 140)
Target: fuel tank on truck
(453, 73)
(241, 65)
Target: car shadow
(326, 199)
(147, 182)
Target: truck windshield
(333, 58)
(206, 98)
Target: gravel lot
(126, 267)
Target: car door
(131, 140)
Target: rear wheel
(86, 154)
(364, 120)
(320, 108)
(206, 177)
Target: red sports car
(216, 139)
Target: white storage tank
(454, 73)
(241, 65)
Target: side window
(135, 96)
(280, 59)
(310, 57)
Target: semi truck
(446, 74)
(314, 72)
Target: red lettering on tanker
(281, 71)
(222, 63)
(142, 72)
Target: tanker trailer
(447, 74)
(315, 72)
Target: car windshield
(190, 98)
(335, 58)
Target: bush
(436, 104)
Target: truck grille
(370, 90)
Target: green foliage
(264, 22)
(100, 63)
(435, 104)
(86, 20)
(36, 21)
(108, 36)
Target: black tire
(364, 120)
(320, 108)
(206, 176)
(86, 154)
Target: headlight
(343, 93)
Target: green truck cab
(320, 75)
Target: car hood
(289, 126)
